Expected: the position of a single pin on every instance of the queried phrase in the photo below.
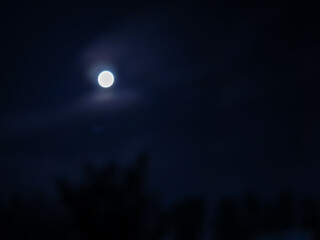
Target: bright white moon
(105, 79)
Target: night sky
(223, 97)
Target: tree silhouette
(252, 216)
(285, 210)
(111, 203)
(228, 222)
(188, 219)
(311, 215)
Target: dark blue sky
(223, 97)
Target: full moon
(105, 79)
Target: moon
(105, 79)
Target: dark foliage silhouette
(228, 223)
(251, 216)
(114, 202)
(311, 215)
(110, 203)
(188, 220)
